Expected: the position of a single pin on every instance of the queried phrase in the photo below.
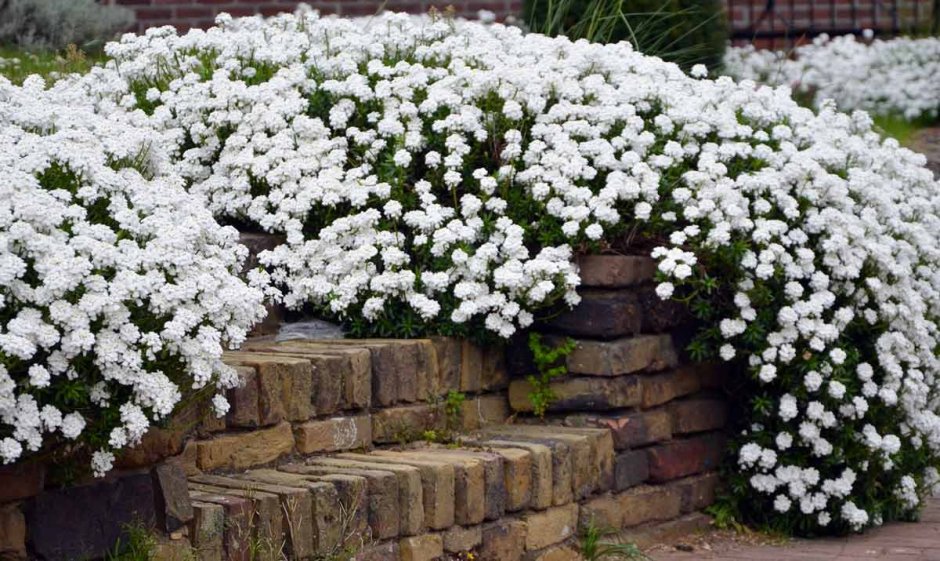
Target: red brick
(615, 271)
(698, 415)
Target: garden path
(893, 542)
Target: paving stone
(239, 451)
(207, 531)
(296, 504)
(383, 504)
(647, 503)
(427, 547)
(550, 526)
(236, 527)
(601, 314)
(699, 414)
(580, 393)
(285, 385)
(622, 356)
(334, 435)
(503, 540)
(21, 481)
(265, 521)
(615, 271)
(462, 539)
(631, 468)
(12, 533)
(410, 489)
(86, 521)
(679, 458)
(665, 387)
(437, 479)
(173, 507)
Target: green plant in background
(16, 65)
(686, 32)
(593, 546)
(453, 408)
(52, 25)
(550, 363)
(136, 544)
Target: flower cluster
(895, 77)
(433, 174)
(118, 289)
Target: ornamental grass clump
(437, 176)
(897, 78)
(118, 289)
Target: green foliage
(16, 64)
(550, 363)
(137, 544)
(686, 32)
(593, 547)
(51, 25)
(452, 408)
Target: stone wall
(335, 449)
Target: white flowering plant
(898, 78)
(436, 175)
(118, 289)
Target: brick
(484, 410)
(628, 429)
(649, 503)
(410, 490)
(382, 552)
(550, 526)
(601, 314)
(427, 547)
(542, 487)
(173, 507)
(471, 367)
(333, 435)
(21, 481)
(285, 385)
(406, 423)
(437, 479)
(622, 356)
(665, 387)
(517, 477)
(266, 521)
(580, 393)
(493, 372)
(244, 450)
(630, 469)
(555, 553)
(658, 315)
(206, 531)
(427, 370)
(562, 458)
(448, 351)
(383, 503)
(236, 529)
(12, 533)
(296, 505)
(243, 400)
(461, 539)
(679, 458)
(589, 455)
(503, 540)
(699, 415)
(604, 511)
(494, 483)
(697, 492)
(615, 271)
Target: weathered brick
(266, 525)
(460, 539)
(394, 373)
(494, 484)
(631, 468)
(285, 385)
(604, 511)
(664, 387)
(484, 410)
(427, 370)
(698, 415)
(406, 423)
(503, 540)
(660, 316)
(628, 429)
(649, 503)
(437, 479)
(469, 482)
(410, 489)
(427, 547)
(550, 526)
(580, 393)
(697, 492)
(206, 531)
(622, 356)
(243, 401)
(493, 372)
(562, 459)
(542, 487)
(387, 551)
(334, 435)
(173, 507)
(555, 553)
(679, 458)
(12, 533)
(471, 367)
(601, 314)
(236, 524)
(448, 350)
(21, 481)
(615, 271)
(517, 477)
(244, 450)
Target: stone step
(508, 492)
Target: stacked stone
(627, 374)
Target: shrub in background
(687, 32)
(55, 24)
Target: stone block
(448, 351)
(493, 372)
(517, 477)
(561, 457)
(667, 386)
(265, 523)
(555, 553)
(471, 367)
(615, 271)
(239, 451)
(648, 503)
(461, 539)
(285, 385)
(427, 370)
(580, 393)
(604, 512)
(487, 409)
(585, 461)
(542, 486)
(387, 551)
(426, 547)
(503, 540)
(21, 481)
(207, 530)
(623, 356)
(630, 469)
(173, 507)
(699, 414)
(697, 492)
(12, 533)
(660, 316)
(494, 483)
(628, 429)
(334, 435)
(406, 423)
(601, 314)
(243, 401)
(238, 515)
(679, 458)
(550, 526)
